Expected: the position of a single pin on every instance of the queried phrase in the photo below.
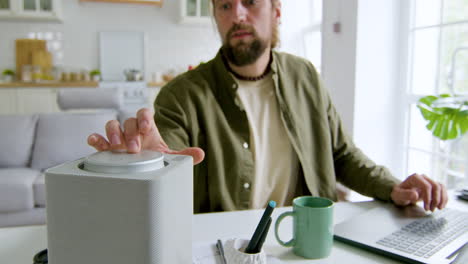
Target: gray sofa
(29, 144)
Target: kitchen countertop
(48, 84)
(63, 84)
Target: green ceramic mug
(312, 227)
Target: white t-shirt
(276, 163)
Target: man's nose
(240, 12)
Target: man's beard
(243, 53)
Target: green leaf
(453, 130)
(463, 120)
(444, 122)
(444, 132)
(431, 124)
(427, 114)
(428, 100)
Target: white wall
(169, 44)
(376, 108)
(339, 56)
(296, 17)
(361, 69)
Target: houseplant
(95, 75)
(8, 75)
(447, 115)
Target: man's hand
(139, 133)
(419, 187)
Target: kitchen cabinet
(152, 94)
(7, 101)
(144, 2)
(48, 10)
(36, 100)
(28, 100)
(195, 12)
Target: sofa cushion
(39, 191)
(35, 216)
(17, 139)
(62, 137)
(85, 98)
(16, 189)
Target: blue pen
(252, 246)
(263, 237)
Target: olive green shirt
(200, 109)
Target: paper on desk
(207, 253)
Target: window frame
(409, 98)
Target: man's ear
(277, 10)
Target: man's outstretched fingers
(425, 188)
(98, 142)
(444, 197)
(151, 139)
(404, 197)
(132, 135)
(197, 154)
(145, 121)
(115, 135)
(435, 193)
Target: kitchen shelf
(24, 10)
(156, 84)
(50, 84)
(195, 12)
(143, 2)
(65, 84)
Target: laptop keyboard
(424, 237)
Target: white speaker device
(119, 208)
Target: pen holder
(234, 252)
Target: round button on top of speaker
(123, 162)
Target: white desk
(19, 244)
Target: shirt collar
(226, 87)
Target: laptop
(408, 234)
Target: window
(195, 11)
(313, 36)
(300, 29)
(437, 63)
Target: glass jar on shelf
(56, 73)
(36, 73)
(85, 75)
(65, 76)
(26, 73)
(74, 76)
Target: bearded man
(260, 125)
